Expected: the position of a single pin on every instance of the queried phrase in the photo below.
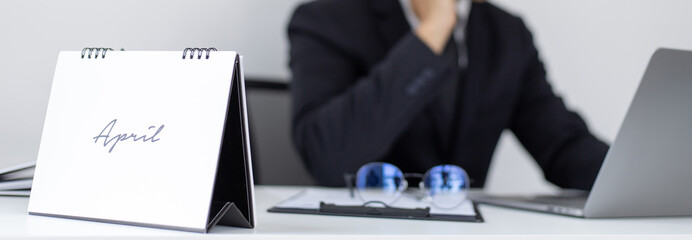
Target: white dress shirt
(463, 10)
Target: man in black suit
(419, 83)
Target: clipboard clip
(367, 209)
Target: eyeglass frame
(349, 178)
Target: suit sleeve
(343, 119)
(558, 139)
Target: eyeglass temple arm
(348, 178)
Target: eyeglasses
(445, 186)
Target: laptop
(647, 169)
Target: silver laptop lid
(647, 169)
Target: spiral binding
(95, 52)
(199, 52)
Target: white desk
(500, 223)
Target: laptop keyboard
(574, 202)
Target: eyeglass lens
(380, 182)
(446, 185)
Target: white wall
(33, 31)
(595, 52)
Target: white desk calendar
(157, 139)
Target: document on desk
(19, 184)
(15, 193)
(18, 171)
(308, 201)
(16, 180)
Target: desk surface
(499, 223)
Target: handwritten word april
(107, 139)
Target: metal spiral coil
(199, 52)
(95, 52)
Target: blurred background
(595, 53)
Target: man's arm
(342, 120)
(557, 138)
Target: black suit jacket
(366, 89)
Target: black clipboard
(326, 208)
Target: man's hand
(437, 19)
